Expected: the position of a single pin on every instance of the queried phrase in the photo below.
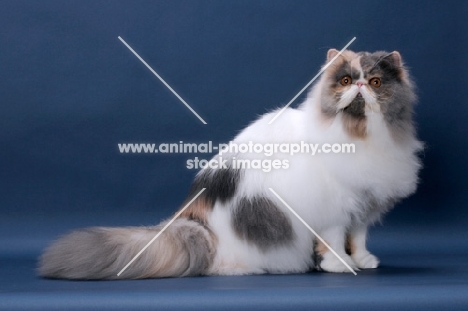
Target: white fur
(325, 189)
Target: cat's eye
(375, 82)
(346, 80)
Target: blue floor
(424, 268)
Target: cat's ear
(395, 58)
(332, 53)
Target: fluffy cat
(237, 226)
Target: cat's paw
(365, 260)
(331, 263)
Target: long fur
(185, 249)
(238, 227)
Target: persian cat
(238, 226)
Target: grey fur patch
(199, 250)
(220, 184)
(259, 221)
(396, 94)
(184, 249)
(356, 108)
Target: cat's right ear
(332, 53)
(395, 58)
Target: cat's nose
(359, 83)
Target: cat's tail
(185, 248)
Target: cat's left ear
(395, 58)
(332, 53)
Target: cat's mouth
(357, 107)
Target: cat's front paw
(331, 263)
(365, 260)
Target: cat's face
(358, 84)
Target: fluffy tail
(185, 248)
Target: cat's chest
(389, 171)
(379, 163)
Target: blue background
(71, 91)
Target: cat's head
(359, 84)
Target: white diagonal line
(162, 80)
(162, 230)
(313, 231)
(311, 81)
